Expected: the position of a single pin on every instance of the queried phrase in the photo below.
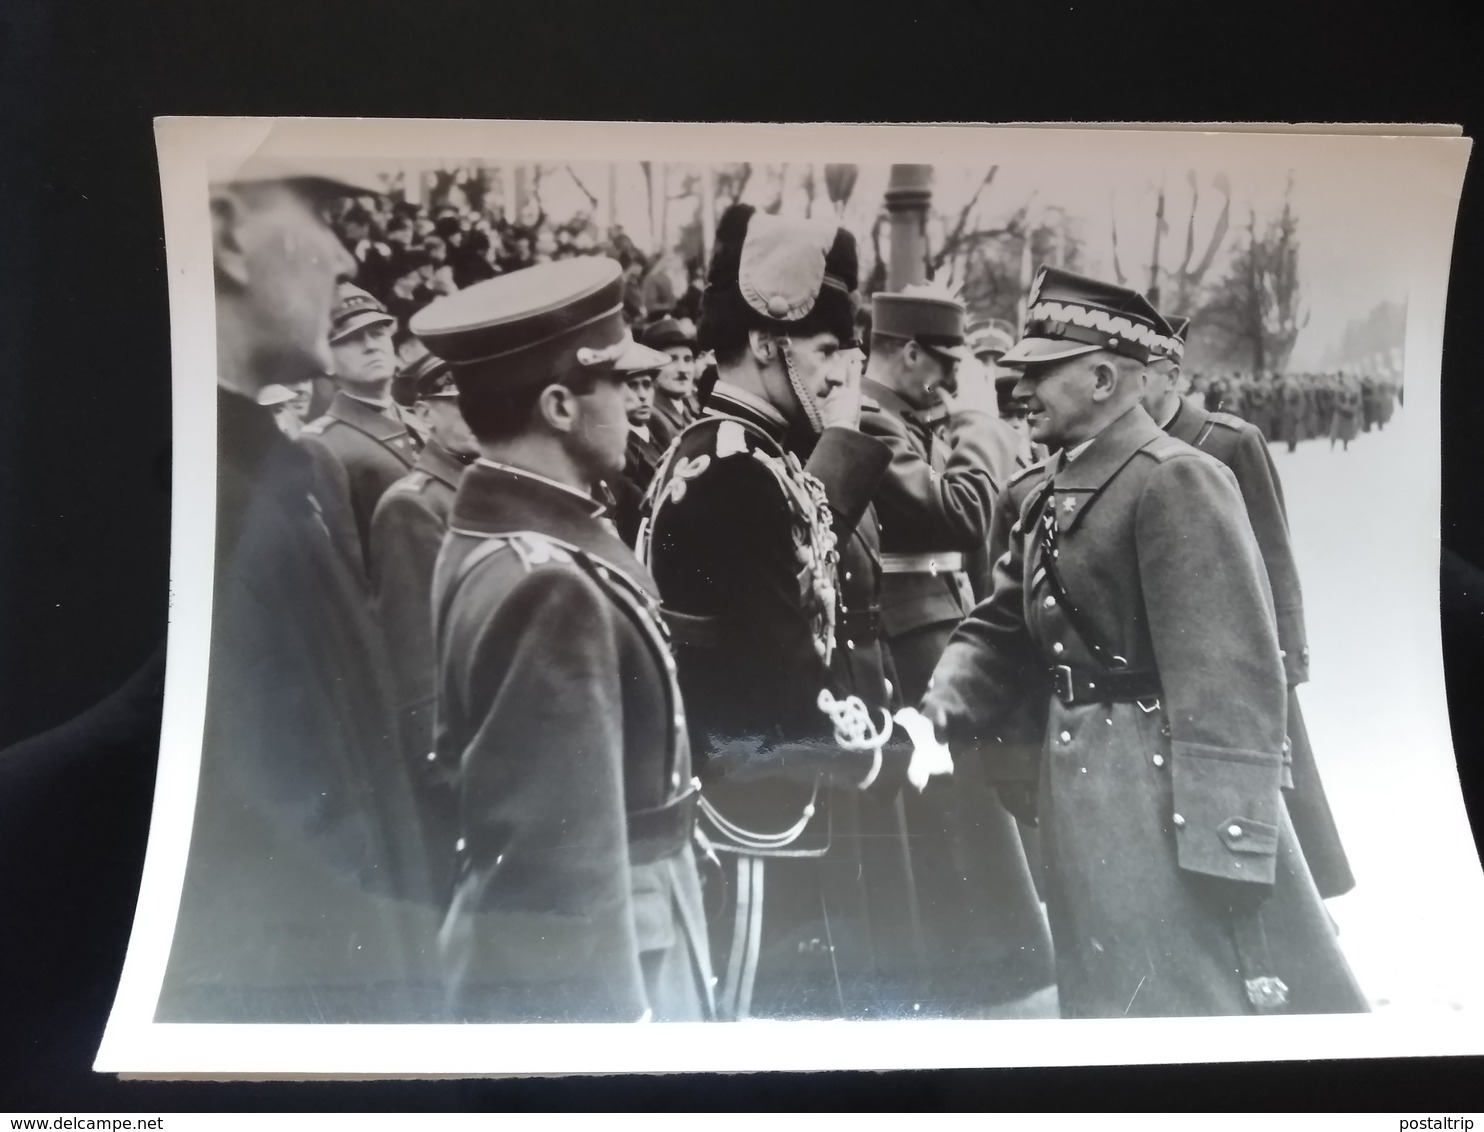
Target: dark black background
(85, 415)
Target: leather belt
(933, 562)
(1081, 686)
(663, 831)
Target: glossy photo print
(661, 598)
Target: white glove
(929, 757)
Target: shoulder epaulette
(870, 403)
(1227, 420)
(1167, 447)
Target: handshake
(929, 757)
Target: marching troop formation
(809, 660)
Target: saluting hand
(972, 388)
(841, 406)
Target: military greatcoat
(359, 451)
(307, 895)
(406, 534)
(985, 938)
(559, 714)
(769, 573)
(1132, 571)
(1240, 447)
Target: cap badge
(588, 356)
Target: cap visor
(960, 353)
(1034, 351)
(358, 321)
(639, 358)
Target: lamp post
(908, 194)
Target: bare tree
(958, 236)
(731, 182)
(1255, 313)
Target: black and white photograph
(665, 597)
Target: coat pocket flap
(1247, 835)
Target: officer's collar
(440, 463)
(889, 398)
(1187, 422)
(728, 400)
(366, 416)
(496, 499)
(1107, 452)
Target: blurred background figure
(280, 400)
(675, 384)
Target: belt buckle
(1061, 678)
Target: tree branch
(950, 242)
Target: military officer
(559, 714)
(406, 533)
(760, 536)
(306, 894)
(365, 442)
(1128, 575)
(1238, 445)
(986, 937)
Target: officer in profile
(306, 894)
(1128, 584)
(1240, 446)
(559, 715)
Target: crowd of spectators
(408, 255)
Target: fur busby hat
(781, 274)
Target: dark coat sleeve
(850, 465)
(1252, 464)
(542, 924)
(988, 664)
(947, 510)
(331, 491)
(1215, 644)
(405, 537)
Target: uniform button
(432, 756)
(1179, 821)
(1287, 746)
(1159, 760)
(679, 719)
(1058, 648)
(847, 575)
(1283, 654)
(850, 644)
(459, 845)
(675, 780)
(1065, 736)
(1234, 831)
(1049, 602)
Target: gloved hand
(929, 756)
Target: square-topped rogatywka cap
(1069, 315)
(1178, 328)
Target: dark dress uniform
(359, 451)
(816, 917)
(1131, 577)
(1238, 445)
(406, 534)
(579, 898)
(306, 895)
(985, 938)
